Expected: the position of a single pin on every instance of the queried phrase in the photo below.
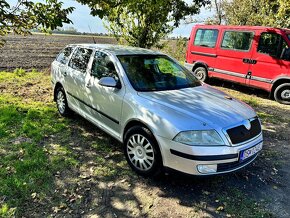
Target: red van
(250, 55)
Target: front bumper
(189, 159)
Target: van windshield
(156, 73)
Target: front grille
(233, 165)
(240, 134)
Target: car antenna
(92, 34)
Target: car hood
(204, 103)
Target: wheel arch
(135, 122)
(200, 64)
(278, 82)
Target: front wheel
(142, 151)
(200, 73)
(282, 93)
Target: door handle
(249, 61)
(246, 60)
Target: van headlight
(199, 137)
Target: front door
(268, 64)
(104, 104)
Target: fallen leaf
(220, 208)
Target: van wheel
(142, 152)
(200, 73)
(61, 102)
(282, 93)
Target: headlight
(199, 137)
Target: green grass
(25, 166)
(29, 161)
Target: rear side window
(63, 56)
(237, 40)
(80, 59)
(206, 38)
(271, 44)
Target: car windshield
(156, 73)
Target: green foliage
(142, 23)
(176, 48)
(260, 13)
(19, 72)
(26, 15)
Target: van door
(104, 104)
(75, 77)
(267, 64)
(233, 55)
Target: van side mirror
(109, 82)
(285, 55)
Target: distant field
(37, 51)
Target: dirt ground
(37, 51)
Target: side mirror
(109, 82)
(285, 55)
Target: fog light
(207, 168)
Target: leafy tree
(142, 23)
(26, 15)
(219, 15)
(274, 13)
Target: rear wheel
(200, 73)
(142, 152)
(282, 93)
(61, 102)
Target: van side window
(206, 38)
(237, 40)
(63, 56)
(271, 44)
(80, 59)
(103, 66)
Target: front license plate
(251, 151)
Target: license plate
(251, 151)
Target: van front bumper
(206, 160)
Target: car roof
(119, 49)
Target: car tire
(61, 102)
(142, 152)
(282, 93)
(201, 74)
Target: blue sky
(82, 19)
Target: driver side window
(103, 66)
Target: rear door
(233, 55)
(267, 62)
(75, 77)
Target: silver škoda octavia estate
(162, 114)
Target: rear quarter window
(63, 56)
(236, 40)
(206, 37)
